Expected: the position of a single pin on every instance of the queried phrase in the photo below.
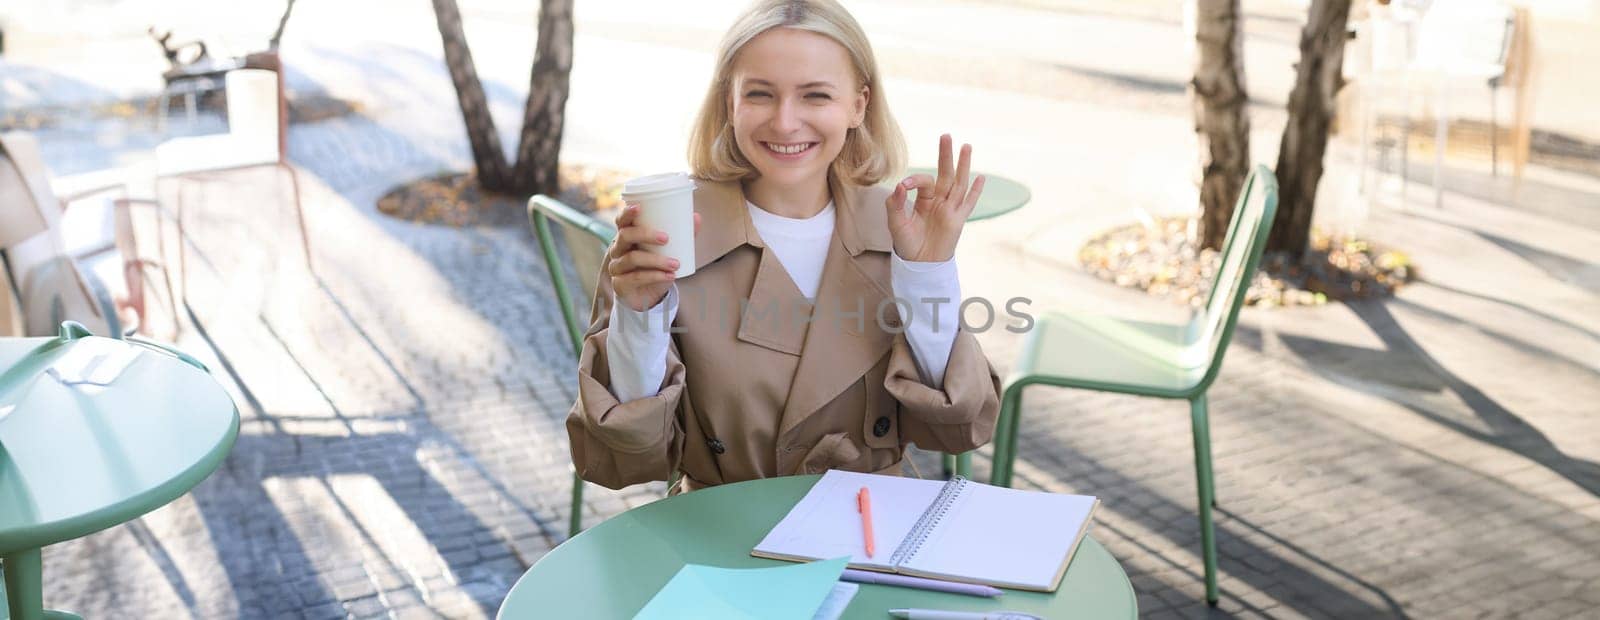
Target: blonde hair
(872, 152)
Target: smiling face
(794, 96)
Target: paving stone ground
(1436, 455)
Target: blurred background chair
(1461, 45)
(587, 239)
(1440, 51)
(45, 279)
(256, 137)
(1377, 62)
(10, 308)
(1107, 354)
(20, 220)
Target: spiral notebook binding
(929, 521)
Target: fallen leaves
(455, 199)
(1164, 260)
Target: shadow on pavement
(1137, 502)
(1492, 422)
(1518, 306)
(1582, 274)
(1564, 204)
(1393, 610)
(450, 528)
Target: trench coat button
(716, 446)
(881, 427)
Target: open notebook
(958, 530)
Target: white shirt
(638, 357)
(801, 244)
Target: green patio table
(95, 432)
(1000, 194)
(612, 569)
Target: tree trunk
(487, 154)
(1305, 138)
(539, 147)
(1218, 94)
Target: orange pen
(864, 506)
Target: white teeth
(788, 150)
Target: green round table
(95, 432)
(1000, 194)
(611, 570)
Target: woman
(787, 353)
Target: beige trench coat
(753, 389)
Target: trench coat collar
(860, 221)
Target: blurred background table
(95, 432)
(1000, 194)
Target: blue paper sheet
(782, 592)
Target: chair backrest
(1386, 43)
(1241, 254)
(50, 285)
(1464, 34)
(10, 308)
(27, 205)
(587, 239)
(253, 107)
(58, 290)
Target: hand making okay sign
(929, 231)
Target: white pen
(921, 583)
(938, 614)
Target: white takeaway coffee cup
(666, 203)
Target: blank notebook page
(1004, 537)
(825, 524)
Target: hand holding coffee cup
(655, 239)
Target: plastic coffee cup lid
(655, 183)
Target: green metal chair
(1167, 361)
(587, 240)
